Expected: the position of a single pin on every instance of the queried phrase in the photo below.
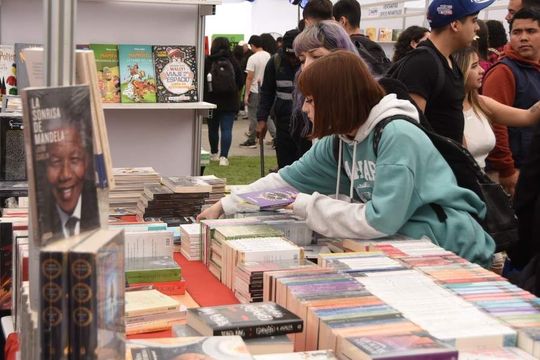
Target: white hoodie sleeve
(271, 181)
(335, 218)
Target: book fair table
(203, 289)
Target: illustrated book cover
(176, 71)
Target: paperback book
(207, 348)
(97, 296)
(245, 320)
(271, 199)
(108, 71)
(8, 82)
(176, 70)
(137, 75)
(59, 153)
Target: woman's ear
(413, 44)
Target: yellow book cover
(371, 33)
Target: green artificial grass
(241, 170)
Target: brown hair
(343, 91)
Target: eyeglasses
(301, 3)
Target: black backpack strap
(377, 134)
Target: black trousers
(286, 149)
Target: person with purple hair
(314, 42)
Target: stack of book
(175, 208)
(248, 276)
(218, 189)
(191, 241)
(129, 187)
(223, 233)
(235, 252)
(151, 310)
(158, 272)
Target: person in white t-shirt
(479, 111)
(255, 73)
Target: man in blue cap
(432, 77)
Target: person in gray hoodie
(382, 194)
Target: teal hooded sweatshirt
(396, 188)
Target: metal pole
(59, 43)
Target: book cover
(371, 33)
(20, 64)
(176, 70)
(108, 71)
(246, 320)
(8, 81)
(96, 267)
(6, 258)
(146, 302)
(186, 184)
(385, 35)
(137, 75)
(59, 153)
(271, 198)
(416, 345)
(12, 156)
(207, 348)
(152, 269)
(396, 33)
(306, 355)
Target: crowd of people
(328, 88)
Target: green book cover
(137, 75)
(108, 71)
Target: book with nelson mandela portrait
(59, 154)
(271, 198)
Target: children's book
(176, 70)
(137, 76)
(108, 72)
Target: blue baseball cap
(443, 12)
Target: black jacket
(277, 88)
(229, 102)
(372, 53)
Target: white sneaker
(223, 161)
(214, 157)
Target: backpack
(223, 76)
(377, 60)
(395, 70)
(500, 221)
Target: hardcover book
(108, 71)
(176, 70)
(137, 75)
(59, 153)
(8, 81)
(245, 320)
(54, 300)
(97, 296)
(207, 348)
(270, 199)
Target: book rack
(169, 139)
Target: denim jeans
(223, 120)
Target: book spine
(54, 314)
(82, 306)
(263, 330)
(166, 287)
(133, 277)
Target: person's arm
(249, 81)
(508, 115)
(499, 84)
(420, 101)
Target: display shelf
(201, 105)
(166, 2)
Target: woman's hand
(213, 212)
